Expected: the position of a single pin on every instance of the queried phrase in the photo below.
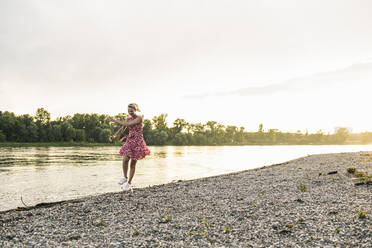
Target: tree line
(95, 128)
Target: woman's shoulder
(130, 118)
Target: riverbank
(55, 144)
(87, 144)
(310, 201)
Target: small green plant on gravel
(362, 176)
(191, 233)
(301, 220)
(260, 195)
(322, 163)
(362, 215)
(227, 229)
(211, 240)
(302, 187)
(337, 230)
(206, 223)
(166, 219)
(289, 225)
(350, 170)
(136, 233)
(100, 223)
(368, 154)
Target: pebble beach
(313, 201)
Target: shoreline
(87, 144)
(82, 198)
(292, 203)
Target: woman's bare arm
(116, 121)
(122, 129)
(137, 120)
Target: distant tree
(42, 116)
(148, 132)
(273, 135)
(96, 128)
(239, 136)
(160, 122)
(68, 131)
(8, 125)
(366, 137)
(78, 121)
(80, 135)
(121, 116)
(230, 135)
(260, 128)
(2, 136)
(179, 125)
(180, 139)
(160, 137)
(341, 134)
(56, 133)
(104, 135)
(147, 126)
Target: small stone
(332, 172)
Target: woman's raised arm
(137, 120)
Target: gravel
(293, 204)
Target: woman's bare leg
(132, 170)
(125, 166)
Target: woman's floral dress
(135, 147)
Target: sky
(290, 64)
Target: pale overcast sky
(289, 64)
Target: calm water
(59, 173)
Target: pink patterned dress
(135, 147)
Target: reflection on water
(160, 155)
(43, 174)
(18, 157)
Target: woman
(135, 147)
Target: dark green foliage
(362, 215)
(96, 128)
(100, 223)
(227, 229)
(302, 187)
(2, 137)
(104, 135)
